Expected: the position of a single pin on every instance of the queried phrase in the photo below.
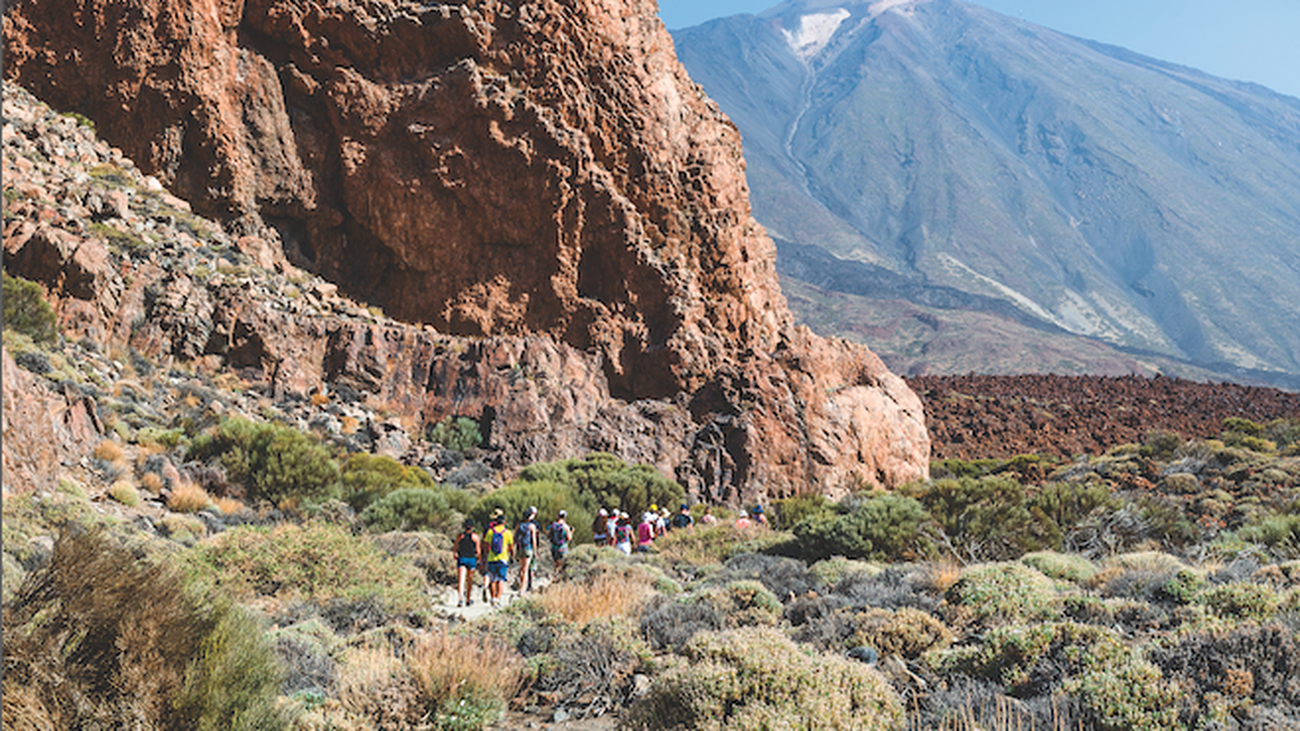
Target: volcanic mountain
(948, 160)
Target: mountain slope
(1098, 191)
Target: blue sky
(1249, 40)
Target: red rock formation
(41, 427)
(490, 168)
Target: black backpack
(465, 546)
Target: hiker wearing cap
(623, 534)
(500, 547)
(683, 518)
(645, 532)
(760, 518)
(600, 528)
(469, 551)
(526, 536)
(560, 533)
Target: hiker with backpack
(683, 518)
(623, 534)
(526, 536)
(600, 528)
(561, 534)
(469, 551)
(500, 548)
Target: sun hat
(564, 513)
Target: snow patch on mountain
(815, 31)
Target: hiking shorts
(559, 554)
(527, 552)
(496, 570)
(470, 562)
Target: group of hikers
(492, 552)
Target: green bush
(756, 678)
(1162, 445)
(1067, 504)
(368, 477)
(273, 462)
(792, 511)
(26, 311)
(102, 639)
(1241, 601)
(234, 678)
(959, 468)
(1280, 532)
(1068, 566)
(411, 508)
(883, 527)
(987, 518)
(1004, 593)
(316, 563)
(458, 434)
(604, 481)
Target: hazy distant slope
(1108, 194)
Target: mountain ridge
(1089, 186)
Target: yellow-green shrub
(1003, 593)
(315, 562)
(757, 678)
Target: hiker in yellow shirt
(499, 545)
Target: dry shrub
(590, 673)
(348, 424)
(229, 506)
(372, 683)
(185, 529)
(462, 679)
(320, 398)
(907, 632)
(110, 451)
(600, 596)
(103, 640)
(23, 710)
(668, 623)
(124, 492)
(403, 680)
(942, 575)
(188, 497)
(153, 482)
(1248, 672)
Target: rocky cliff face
(541, 178)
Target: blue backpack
(525, 534)
(559, 534)
(498, 539)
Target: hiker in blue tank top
(560, 533)
(526, 536)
